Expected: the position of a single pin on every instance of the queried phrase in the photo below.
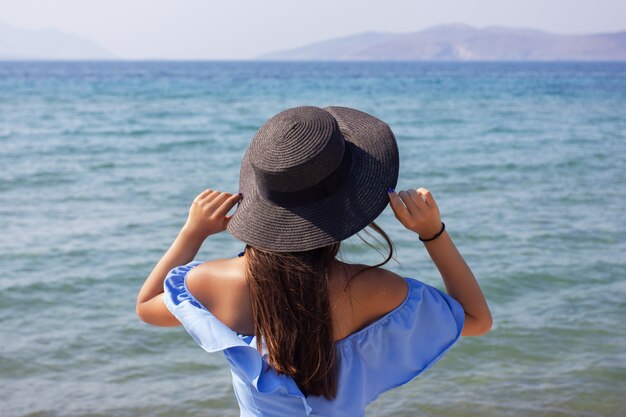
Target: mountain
(16, 43)
(460, 42)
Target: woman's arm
(207, 216)
(418, 211)
(461, 284)
(183, 250)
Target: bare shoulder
(381, 289)
(216, 279)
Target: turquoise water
(100, 161)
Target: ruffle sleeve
(213, 335)
(405, 342)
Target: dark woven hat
(312, 177)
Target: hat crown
(296, 148)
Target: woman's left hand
(207, 214)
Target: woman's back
(384, 354)
(220, 285)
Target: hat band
(322, 189)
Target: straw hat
(312, 177)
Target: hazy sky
(237, 29)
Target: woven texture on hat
(354, 205)
(296, 149)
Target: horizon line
(256, 60)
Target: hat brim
(356, 203)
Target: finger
(210, 196)
(204, 194)
(398, 206)
(430, 200)
(418, 199)
(409, 203)
(230, 202)
(216, 201)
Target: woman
(304, 333)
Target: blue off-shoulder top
(385, 354)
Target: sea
(100, 161)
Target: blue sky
(240, 29)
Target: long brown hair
(291, 310)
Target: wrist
(189, 234)
(433, 233)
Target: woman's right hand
(417, 211)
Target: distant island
(449, 42)
(460, 42)
(23, 44)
